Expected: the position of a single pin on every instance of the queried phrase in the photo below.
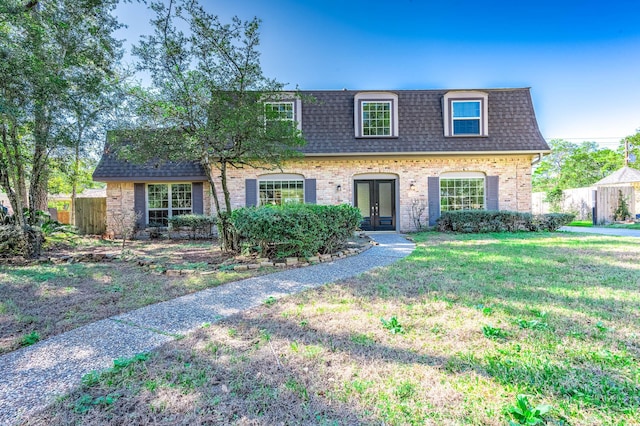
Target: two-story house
(392, 154)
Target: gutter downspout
(537, 160)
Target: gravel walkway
(620, 232)
(31, 377)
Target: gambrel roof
(329, 129)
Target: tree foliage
(207, 100)
(575, 165)
(52, 54)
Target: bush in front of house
(551, 221)
(197, 223)
(295, 229)
(479, 221)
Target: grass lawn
(583, 223)
(625, 225)
(450, 335)
(40, 300)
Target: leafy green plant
(299, 230)
(532, 324)
(270, 301)
(30, 339)
(493, 332)
(393, 325)
(479, 221)
(622, 210)
(524, 414)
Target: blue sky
(581, 58)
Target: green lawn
(584, 223)
(625, 225)
(450, 335)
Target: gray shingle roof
(111, 168)
(328, 127)
(623, 175)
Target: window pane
(376, 118)
(158, 196)
(462, 194)
(466, 127)
(280, 192)
(469, 109)
(158, 217)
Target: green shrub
(197, 223)
(551, 221)
(478, 221)
(295, 229)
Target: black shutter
(197, 198)
(251, 192)
(310, 191)
(492, 192)
(140, 204)
(433, 194)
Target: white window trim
(389, 97)
(279, 177)
(297, 109)
(463, 175)
(447, 111)
(169, 208)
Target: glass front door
(376, 200)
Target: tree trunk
(74, 179)
(38, 186)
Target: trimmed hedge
(478, 221)
(295, 229)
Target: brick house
(392, 154)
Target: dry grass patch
(478, 321)
(44, 299)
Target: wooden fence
(607, 201)
(91, 215)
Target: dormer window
(284, 111)
(279, 111)
(376, 115)
(465, 114)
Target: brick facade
(514, 173)
(120, 196)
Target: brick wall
(514, 172)
(120, 199)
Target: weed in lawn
(265, 335)
(486, 310)
(363, 339)
(532, 324)
(298, 388)
(312, 351)
(393, 325)
(601, 327)
(405, 390)
(493, 332)
(232, 332)
(30, 339)
(524, 414)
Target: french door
(376, 200)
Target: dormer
(465, 114)
(376, 115)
